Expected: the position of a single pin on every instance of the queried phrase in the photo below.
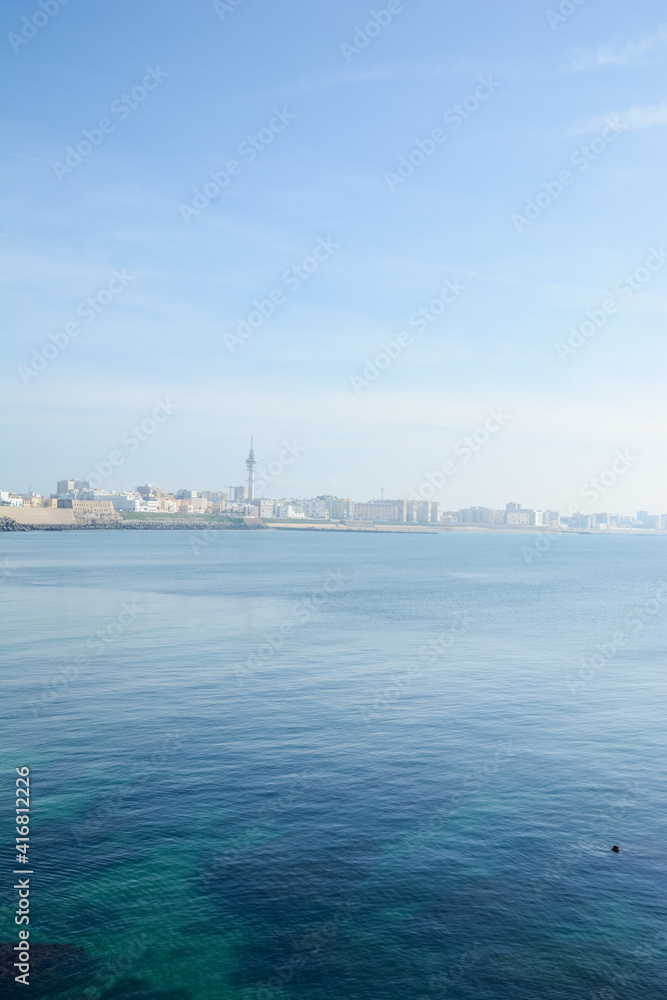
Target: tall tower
(251, 463)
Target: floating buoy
(616, 848)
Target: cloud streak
(617, 53)
(634, 119)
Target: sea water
(286, 764)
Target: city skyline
(428, 492)
(352, 282)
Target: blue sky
(332, 123)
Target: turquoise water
(276, 765)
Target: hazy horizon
(465, 238)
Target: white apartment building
(168, 505)
(288, 510)
(13, 499)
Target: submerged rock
(54, 969)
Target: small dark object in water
(616, 848)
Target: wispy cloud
(620, 52)
(461, 69)
(341, 78)
(634, 119)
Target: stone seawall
(10, 523)
(58, 517)
(39, 516)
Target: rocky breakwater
(83, 523)
(9, 524)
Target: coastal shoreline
(255, 524)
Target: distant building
(66, 486)
(476, 515)
(423, 512)
(582, 522)
(518, 518)
(35, 501)
(125, 501)
(449, 518)
(149, 490)
(287, 510)
(11, 499)
(94, 508)
(266, 508)
(390, 510)
(339, 509)
(316, 510)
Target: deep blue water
(335, 767)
